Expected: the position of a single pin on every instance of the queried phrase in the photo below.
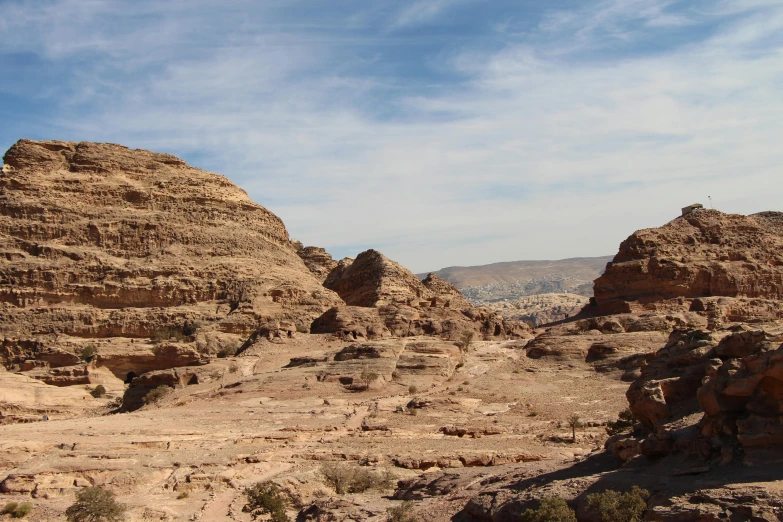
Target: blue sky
(441, 132)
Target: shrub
(95, 504)
(88, 352)
(613, 506)
(625, 421)
(265, 498)
(17, 510)
(99, 391)
(401, 513)
(412, 389)
(353, 479)
(182, 495)
(551, 509)
(465, 340)
(9, 508)
(190, 328)
(233, 368)
(156, 394)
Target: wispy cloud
(422, 12)
(554, 138)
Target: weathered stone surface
(99, 240)
(317, 260)
(704, 254)
(444, 291)
(351, 322)
(373, 280)
(406, 306)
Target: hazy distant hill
(515, 279)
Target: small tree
(574, 422)
(99, 391)
(551, 509)
(95, 504)
(367, 377)
(613, 506)
(265, 498)
(465, 340)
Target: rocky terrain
(540, 309)
(165, 339)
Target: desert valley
(163, 338)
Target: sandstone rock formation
(406, 305)
(701, 255)
(317, 260)
(101, 241)
(373, 280)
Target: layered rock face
(99, 240)
(317, 260)
(701, 255)
(405, 305)
(373, 280)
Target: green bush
(353, 479)
(613, 506)
(401, 513)
(22, 510)
(156, 394)
(17, 510)
(551, 509)
(625, 421)
(88, 352)
(95, 504)
(265, 498)
(99, 391)
(412, 389)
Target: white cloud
(535, 155)
(421, 12)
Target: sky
(440, 132)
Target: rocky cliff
(101, 241)
(405, 305)
(701, 255)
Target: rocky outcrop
(445, 292)
(351, 322)
(318, 261)
(744, 393)
(99, 240)
(701, 255)
(373, 280)
(405, 305)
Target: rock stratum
(101, 241)
(701, 256)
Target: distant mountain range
(515, 279)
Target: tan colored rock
(99, 240)
(703, 254)
(318, 261)
(351, 322)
